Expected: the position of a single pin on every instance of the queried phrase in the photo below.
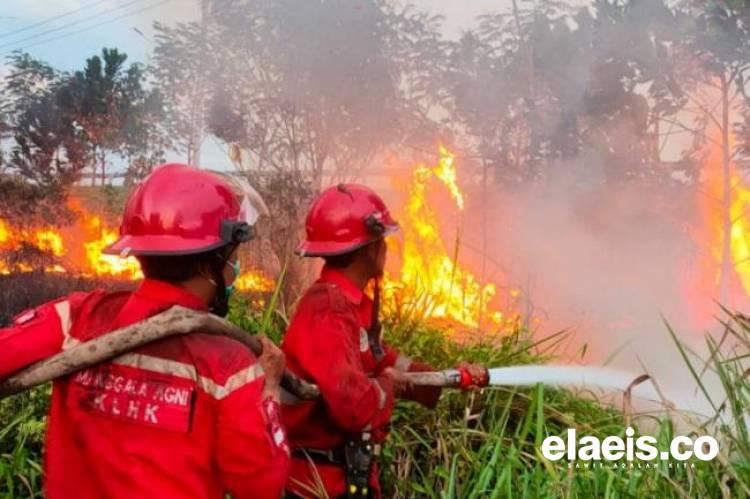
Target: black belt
(333, 456)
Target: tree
(717, 55)
(45, 155)
(56, 124)
(45, 150)
(298, 91)
(546, 84)
(184, 69)
(113, 113)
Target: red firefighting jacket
(180, 418)
(327, 343)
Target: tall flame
(740, 236)
(725, 204)
(430, 273)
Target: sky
(64, 33)
(117, 23)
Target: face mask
(237, 270)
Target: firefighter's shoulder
(326, 297)
(225, 362)
(67, 308)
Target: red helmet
(343, 218)
(180, 210)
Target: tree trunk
(104, 170)
(727, 266)
(197, 105)
(655, 146)
(483, 282)
(529, 53)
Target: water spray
(528, 375)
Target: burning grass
(431, 281)
(75, 250)
(71, 248)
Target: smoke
(610, 263)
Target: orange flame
(255, 281)
(429, 271)
(46, 240)
(740, 236)
(107, 265)
(725, 204)
(78, 249)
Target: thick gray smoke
(611, 264)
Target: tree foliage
(548, 84)
(57, 124)
(45, 149)
(114, 114)
(44, 153)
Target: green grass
(22, 420)
(477, 445)
(487, 444)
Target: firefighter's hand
(479, 376)
(399, 380)
(272, 362)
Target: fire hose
(180, 320)
(172, 322)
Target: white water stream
(644, 395)
(561, 376)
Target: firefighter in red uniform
(334, 340)
(193, 416)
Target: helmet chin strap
(220, 304)
(372, 260)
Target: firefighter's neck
(201, 288)
(360, 272)
(359, 278)
(365, 266)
